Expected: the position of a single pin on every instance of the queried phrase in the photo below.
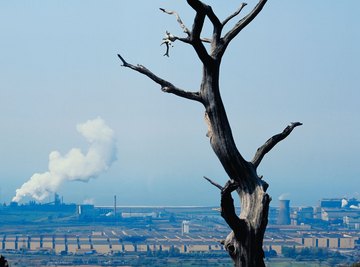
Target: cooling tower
(284, 212)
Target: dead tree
(3, 262)
(244, 243)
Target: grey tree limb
(270, 143)
(237, 12)
(200, 7)
(241, 24)
(195, 39)
(178, 19)
(213, 183)
(228, 212)
(165, 85)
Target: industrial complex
(71, 231)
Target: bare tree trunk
(245, 242)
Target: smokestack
(28, 242)
(114, 205)
(284, 212)
(53, 242)
(66, 244)
(3, 242)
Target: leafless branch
(202, 11)
(200, 7)
(213, 183)
(165, 85)
(243, 22)
(227, 206)
(196, 39)
(170, 38)
(206, 40)
(237, 12)
(178, 19)
(194, 36)
(261, 151)
(173, 38)
(228, 209)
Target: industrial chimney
(284, 212)
(115, 206)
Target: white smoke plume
(75, 165)
(284, 196)
(344, 202)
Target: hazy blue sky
(298, 61)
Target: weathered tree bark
(244, 243)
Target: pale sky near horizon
(297, 61)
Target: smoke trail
(284, 196)
(75, 165)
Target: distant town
(66, 234)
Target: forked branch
(165, 85)
(200, 7)
(196, 39)
(261, 151)
(169, 38)
(228, 209)
(228, 212)
(203, 11)
(178, 19)
(237, 12)
(243, 22)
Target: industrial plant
(69, 232)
